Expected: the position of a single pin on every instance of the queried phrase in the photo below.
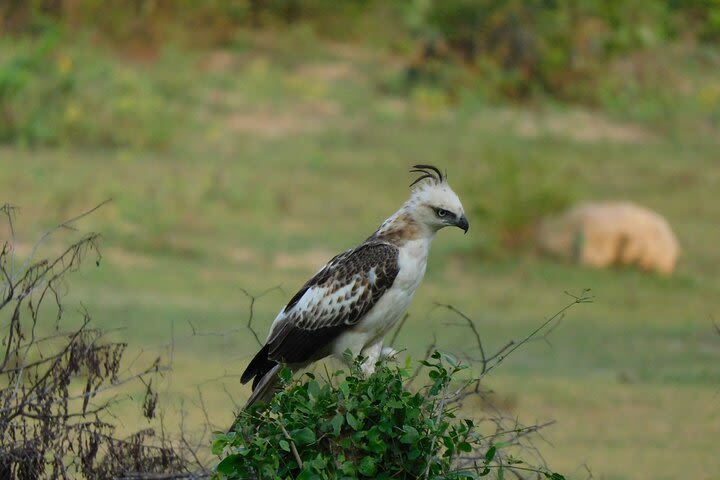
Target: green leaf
(337, 423)
(218, 444)
(376, 443)
(348, 468)
(465, 447)
(308, 475)
(352, 421)
(345, 389)
(303, 436)
(411, 435)
(285, 375)
(227, 465)
(368, 466)
(451, 360)
(490, 454)
(385, 426)
(313, 389)
(285, 445)
(554, 476)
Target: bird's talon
(389, 353)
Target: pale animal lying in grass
(614, 233)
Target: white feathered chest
(412, 261)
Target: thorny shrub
(57, 382)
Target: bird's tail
(264, 374)
(264, 388)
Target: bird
(353, 301)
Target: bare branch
(53, 418)
(397, 330)
(487, 363)
(64, 225)
(292, 446)
(473, 328)
(251, 314)
(584, 297)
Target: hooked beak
(462, 223)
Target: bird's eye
(441, 213)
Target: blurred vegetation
(122, 81)
(51, 94)
(555, 46)
(646, 60)
(510, 197)
(110, 74)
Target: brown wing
(335, 299)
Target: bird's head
(433, 203)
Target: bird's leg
(372, 354)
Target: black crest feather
(428, 171)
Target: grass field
(279, 161)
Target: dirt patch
(327, 72)
(242, 255)
(301, 118)
(578, 125)
(219, 61)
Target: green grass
(278, 161)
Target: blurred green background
(245, 143)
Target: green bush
(354, 427)
(54, 93)
(208, 23)
(558, 47)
